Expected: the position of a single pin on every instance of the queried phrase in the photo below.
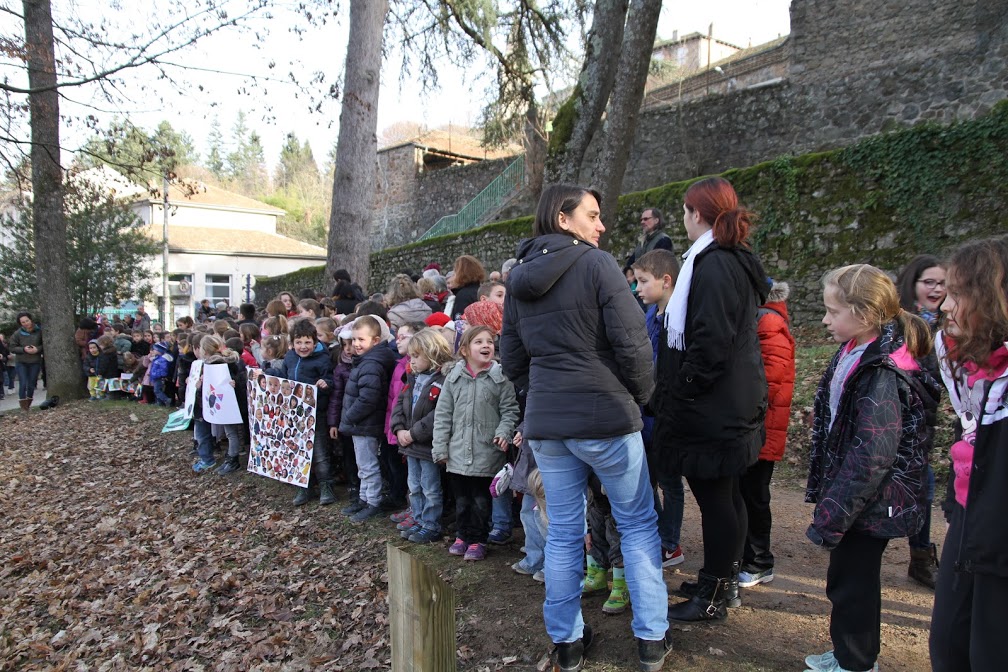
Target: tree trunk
(357, 145)
(625, 102)
(62, 360)
(535, 151)
(579, 118)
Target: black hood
(541, 262)
(753, 268)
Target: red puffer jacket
(778, 349)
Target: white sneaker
(750, 579)
(827, 662)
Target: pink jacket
(395, 387)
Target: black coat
(464, 297)
(107, 364)
(366, 396)
(711, 398)
(575, 338)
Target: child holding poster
(212, 350)
(309, 362)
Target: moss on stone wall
(882, 201)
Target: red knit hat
(437, 320)
(485, 313)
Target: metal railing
(493, 197)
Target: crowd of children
(422, 423)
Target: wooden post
(422, 615)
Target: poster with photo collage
(282, 427)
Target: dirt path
(113, 555)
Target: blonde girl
(972, 586)
(870, 441)
(412, 422)
(473, 425)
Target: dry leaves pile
(115, 556)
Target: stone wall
(395, 220)
(868, 68)
(881, 201)
(448, 190)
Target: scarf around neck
(675, 312)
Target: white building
(216, 239)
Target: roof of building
(459, 142)
(691, 36)
(196, 192)
(206, 240)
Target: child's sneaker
(539, 576)
(827, 662)
(750, 579)
(401, 516)
(405, 534)
(672, 557)
(458, 548)
(406, 523)
(499, 537)
(302, 497)
(352, 508)
(475, 552)
(519, 568)
(200, 467)
(424, 536)
(230, 466)
(365, 513)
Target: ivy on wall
(881, 201)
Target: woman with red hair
(711, 395)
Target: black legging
(724, 522)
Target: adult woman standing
(405, 304)
(712, 391)
(468, 275)
(921, 287)
(575, 339)
(26, 343)
(4, 356)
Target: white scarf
(675, 312)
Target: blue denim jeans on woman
(27, 378)
(535, 535)
(620, 464)
(423, 478)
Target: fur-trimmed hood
(779, 291)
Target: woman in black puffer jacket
(575, 339)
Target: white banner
(282, 416)
(220, 405)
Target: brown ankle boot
(924, 565)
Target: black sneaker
(365, 513)
(569, 656)
(652, 653)
(302, 497)
(230, 465)
(353, 507)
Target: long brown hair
(978, 283)
(716, 201)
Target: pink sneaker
(475, 552)
(406, 523)
(458, 548)
(401, 516)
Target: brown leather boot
(923, 566)
(25, 404)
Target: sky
(213, 82)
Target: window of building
(218, 288)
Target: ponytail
(916, 334)
(715, 200)
(731, 228)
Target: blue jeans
(27, 378)
(670, 509)
(620, 465)
(159, 392)
(535, 536)
(203, 434)
(500, 515)
(10, 376)
(423, 478)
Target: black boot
(732, 597)
(707, 605)
(652, 653)
(924, 565)
(569, 657)
(327, 495)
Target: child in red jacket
(778, 349)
